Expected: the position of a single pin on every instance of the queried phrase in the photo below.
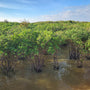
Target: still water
(68, 77)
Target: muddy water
(68, 77)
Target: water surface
(68, 77)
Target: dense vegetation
(33, 40)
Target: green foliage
(87, 45)
(32, 38)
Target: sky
(44, 10)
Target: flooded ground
(68, 77)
